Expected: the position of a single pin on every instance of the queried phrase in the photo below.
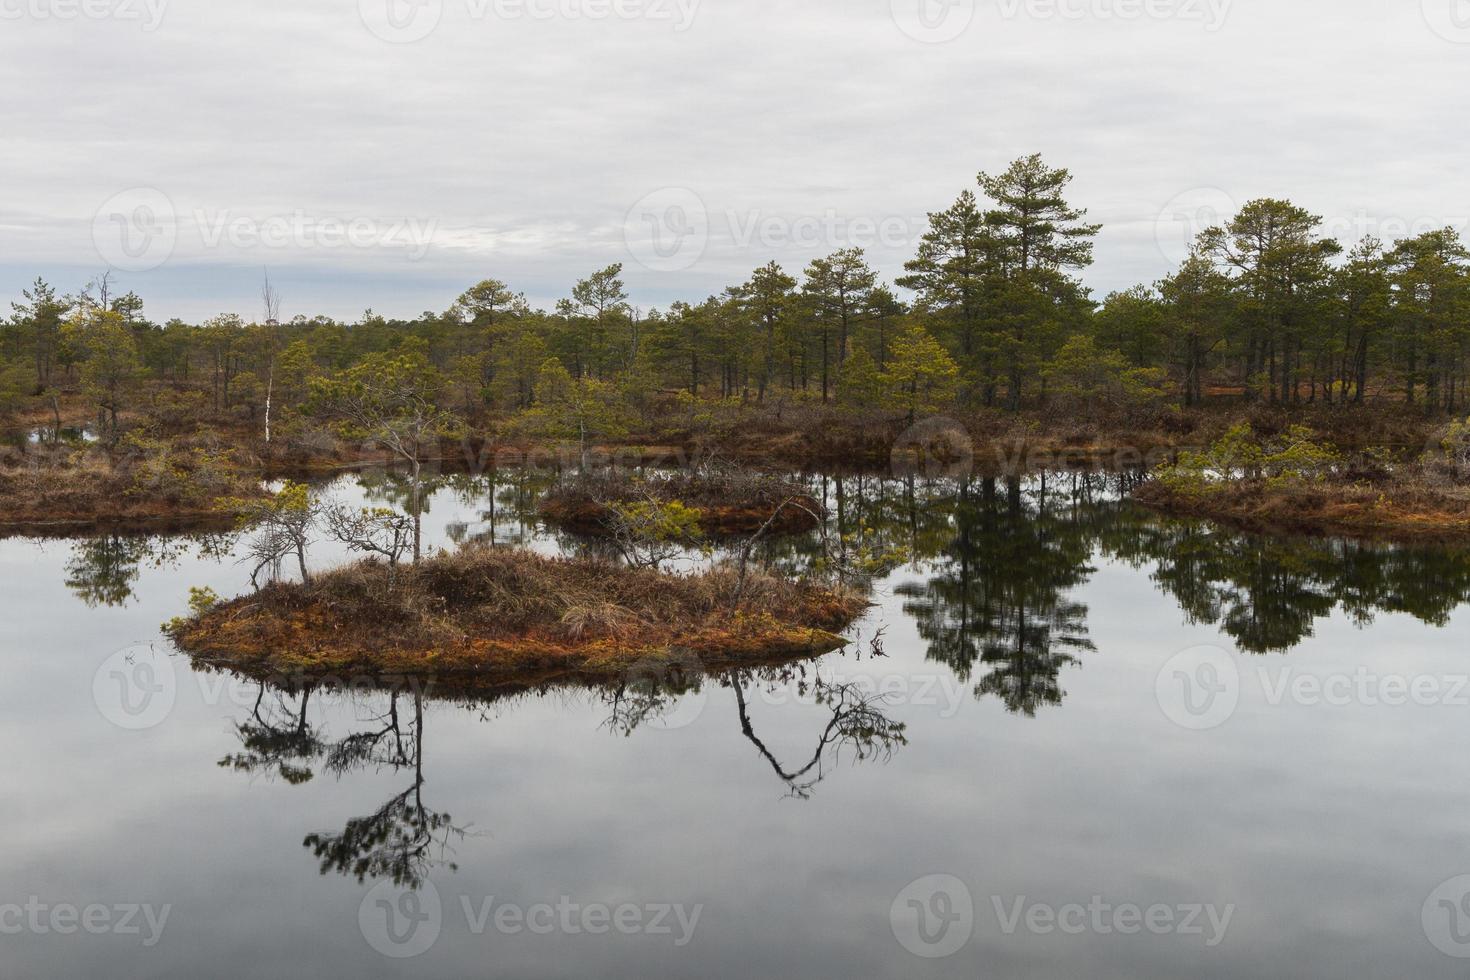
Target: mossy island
(486, 610)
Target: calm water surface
(1127, 747)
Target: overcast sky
(384, 156)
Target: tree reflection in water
(999, 560)
(403, 839)
(853, 722)
(102, 570)
(857, 726)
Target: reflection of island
(404, 839)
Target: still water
(1071, 739)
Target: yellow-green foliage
(656, 521)
(1292, 457)
(201, 601)
(189, 476)
(289, 504)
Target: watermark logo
(1450, 19)
(1446, 917)
(1212, 14)
(933, 21)
(148, 13)
(1181, 221)
(934, 916)
(135, 230)
(400, 21)
(400, 922)
(39, 918)
(936, 447)
(303, 231)
(1198, 688)
(1100, 917)
(667, 230)
(135, 687)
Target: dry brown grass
(1412, 502)
(730, 500)
(181, 483)
(486, 609)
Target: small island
(483, 610)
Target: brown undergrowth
(729, 500)
(143, 486)
(483, 610)
(1399, 509)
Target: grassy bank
(1290, 481)
(172, 468)
(728, 500)
(486, 609)
(144, 485)
(1395, 510)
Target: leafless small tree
(374, 531)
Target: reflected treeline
(102, 570)
(1000, 559)
(997, 604)
(1267, 593)
(503, 501)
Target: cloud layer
(386, 153)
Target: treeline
(990, 312)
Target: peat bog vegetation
(807, 516)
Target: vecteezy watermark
(1446, 917)
(402, 922)
(147, 13)
(400, 21)
(828, 229)
(934, 447)
(1450, 19)
(1212, 14)
(667, 230)
(1180, 222)
(300, 230)
(66, 919)
(406, 21)
(135, 230)
(933, 916)
(135, 687)
(1349, 228)
(1101, 917)
(933, 21)
(1198, 688)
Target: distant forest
(989, 313)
